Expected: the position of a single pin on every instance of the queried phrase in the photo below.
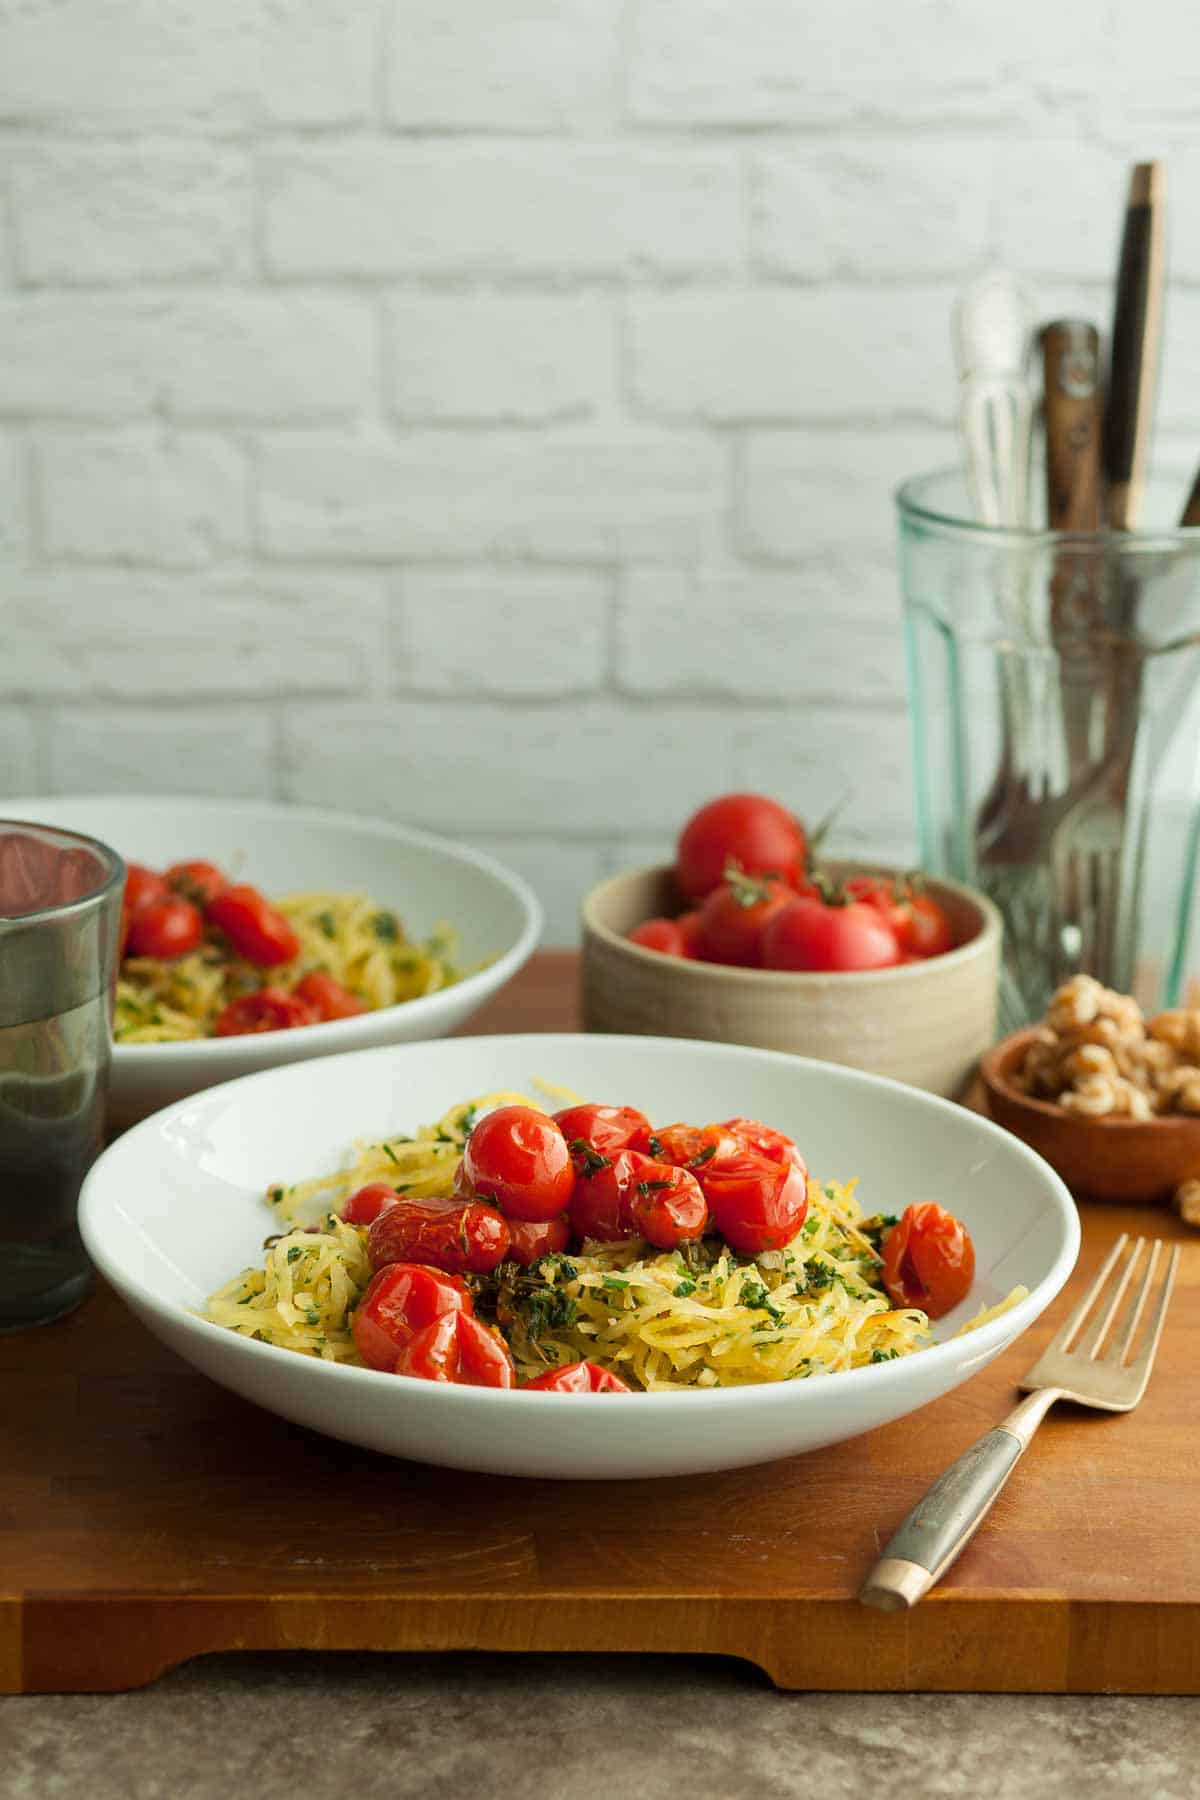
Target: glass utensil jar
(1054, 691)
(60, 920)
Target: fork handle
(945, 1519)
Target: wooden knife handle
(1071, 368)
(1137, 326)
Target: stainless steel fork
(1088, 1361)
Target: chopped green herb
(652, 1187)
(654, 1145)
(884, 1355)
(327, 923)
(705, 1155)
(614, 1281)
(812, 1226)
(386, 927)
(684, 1289)
(294, 1252)
(391, 1155)
(590, 1160)
(755, 1295)
(275, 1196)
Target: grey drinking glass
(60, 914)
(1054, 691)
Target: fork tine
(1065, 1333)
(1144, 1359)
(1139, 1306)
(1093, 1338)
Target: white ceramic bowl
(175, 1208)
(282, 849)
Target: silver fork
(1084, 1362)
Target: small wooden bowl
(926, 1023)
(1100, 1159)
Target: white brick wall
(490, 409)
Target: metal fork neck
(1025, 1418)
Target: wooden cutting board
(147, 1516)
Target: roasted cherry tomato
(518, 1157)
(665, 935)
(776, 1146)
(666, 1204)
(401, 1300)
(270, 1009)
(531, 1240)
(687, 1146)
(689, 924)
(165, 929)
(254, 928)
(811, 934)
(142, 888)
(457, 1348)
(928, 1259)
(365, 1206)
(327, 997)
(600, 1201)
(757, 835)
(199, 882)
(755, 1204)
(578, 1378)
(604, 1129)
(735, 915)
(461, 1236)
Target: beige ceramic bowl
(927, 1023)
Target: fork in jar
(1088, 1361)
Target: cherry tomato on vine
(664, 935)
(460, 1236)
(756, 833)
(603, 1129)
(327, 997)
(254, 928)
(165, 929)
(518, 1157)
(928, 931)
(533, 1239)
(457, 1348)
(666, 1204)
(400, 1300)
(810, 934)
(734, 916)
(578, 1378)
(928, 1259)
(755, 1204)
(364, 1206)
(270, 1009)
(200, 882)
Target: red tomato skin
(928, 931)
(165, 929)
(667, 1205)
(599, 1206)
(402, 1299)
(457, 1348)
(531, 1241)
(663, 935)
(255, 930)
(270, 1009)
(604, 1129)
(776, 1146)
(461, 1236)
(577, 1378)
(755, 1204)
(689, 923)
(519, 1158)
(365, 1206)
(198, 881)
(687, 1146)
(756, 833)
(143, 887)
(327, 997)
(735, 915)
(808, 935)
(928, 1259)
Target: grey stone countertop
(474, 1727)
